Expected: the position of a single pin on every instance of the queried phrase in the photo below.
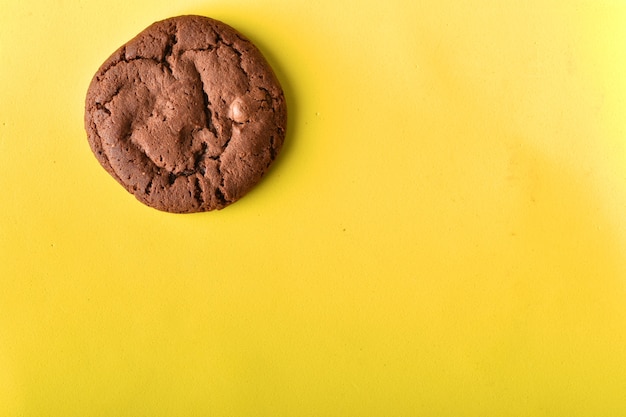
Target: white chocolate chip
(238, 111)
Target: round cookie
(187, 116)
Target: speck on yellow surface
(444, 233)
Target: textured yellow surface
(444, 233)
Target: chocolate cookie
(187, 116)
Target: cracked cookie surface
(187, 116)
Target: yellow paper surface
(443, 234)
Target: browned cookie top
(187, 116)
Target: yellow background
(444, 233)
